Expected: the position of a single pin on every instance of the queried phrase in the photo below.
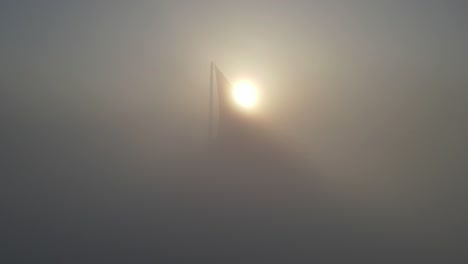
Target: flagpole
(210, 123)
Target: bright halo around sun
(245, 94)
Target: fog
(105, 149)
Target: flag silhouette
(231, 122)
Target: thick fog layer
(359, 149)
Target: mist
(105, 148)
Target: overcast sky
(375, 91)
(355, 70)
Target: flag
(232, 123)
(246, 150)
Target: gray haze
(373, 93)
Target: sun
(245, 94)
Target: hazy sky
(344, 69)
(369, 87)
(376, 92)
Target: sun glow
(245, 94)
